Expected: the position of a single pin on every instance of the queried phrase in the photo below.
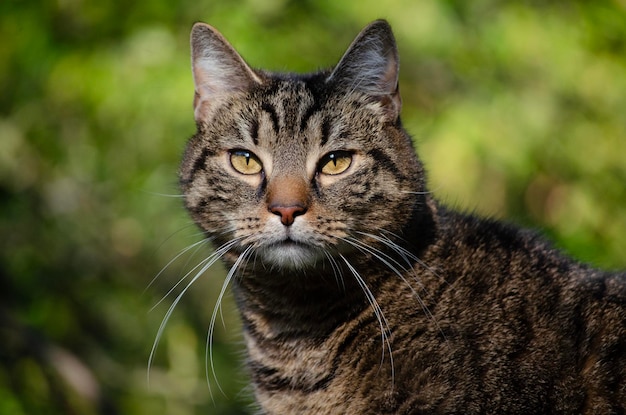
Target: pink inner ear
(201, 107)
(392, 105)
(390, 76)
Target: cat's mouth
(288, 241)
(289, 253)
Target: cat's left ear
(218, 70)
(371, 66)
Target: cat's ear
(218, 70)
(371, 66)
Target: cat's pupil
(245, 154)
(245, 162)
(336, 162)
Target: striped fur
(361, 294)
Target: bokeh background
(518, 109)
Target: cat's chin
(291, 255)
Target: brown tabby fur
(359, 292)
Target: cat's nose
(287, 213)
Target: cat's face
(293, 170)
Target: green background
(518, 109)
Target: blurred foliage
(518, 109)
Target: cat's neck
(290, 303)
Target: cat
(359, 292)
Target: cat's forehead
(287, 94)
(295, 102)
(287, 91)
(281, 108)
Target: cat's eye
(245, 162)
(336, 162)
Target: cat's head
(295, 168)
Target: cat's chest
(337, 374)
(299, 377)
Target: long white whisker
(406, 255)
(378, 312)
(380, 255)
(187, 226)
(166, 195)
(210, 259)
(209, 346)
(206, 264)
(384, 258)
(336, 270)
(177, 256)
(426, 192)
(181, 253)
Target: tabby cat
(358, 291)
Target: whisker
(380, 255)
(384, 258)
(209, 346)
(181, 196)
(406, 255)
(204, 265)
(336, 270)
(185, 227)
(208, 259)
(378, 312)
(181, 253)
(425, 192)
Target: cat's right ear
(218, 70)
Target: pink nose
(287, 213)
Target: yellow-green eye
(245, 162)
(336, 162)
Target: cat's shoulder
(504, 244)
(473, 231)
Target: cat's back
(498, 254)
(524, 321)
